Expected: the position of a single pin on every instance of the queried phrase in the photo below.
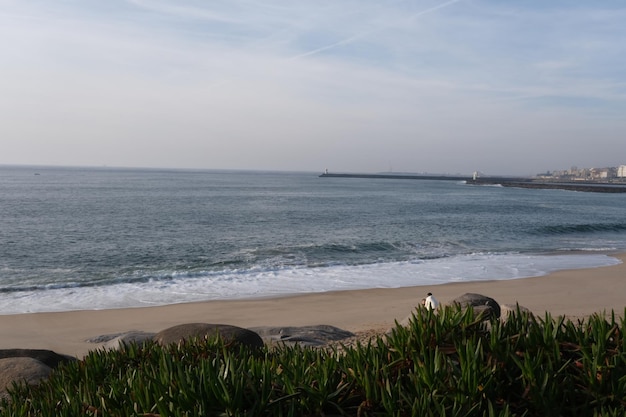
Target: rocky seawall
(588, 187)
(398, 176)
(519, 182)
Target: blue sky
(516, 87)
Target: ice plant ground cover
(446, 363)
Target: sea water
(95, 238)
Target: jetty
(518, 182)
(582, 186)
(399, 176)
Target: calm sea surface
(88, 238)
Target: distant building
(588, 174)
(599, 173)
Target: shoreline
(574, 293)
(291, 281)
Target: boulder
(316, 335)
(128, 338)
(48, 357)
(116, 340)
(27, 365)
(103, 338)
(508, 309)
(484, 312)
(21, 369)
(230, 334)
(481, 304)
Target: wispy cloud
(353, 69)
(373, 31)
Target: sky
(500, 87)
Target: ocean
(97, 238)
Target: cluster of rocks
(254, 337)
(484, 307)
(33, 365)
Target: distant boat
(37, 173)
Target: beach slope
(574, 293)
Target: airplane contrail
(366, 33)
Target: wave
(271, 259)
(183, 286)
(564, 229)
(83, 284)
(325, 254)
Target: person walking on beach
(431, 302)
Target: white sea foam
(277, 282)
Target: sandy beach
(575, 293)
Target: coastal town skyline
(597, 173)
(412, 86)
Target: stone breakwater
(398, 176)
(518, 182)
(588, 187)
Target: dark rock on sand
(230, 334)
(28, 370)
(508, 309)
(317, 335)
(48, 357)
(481, 304)
(103, 338)
(483, 312)
(129, 338)
(27, 365)
(116, 340)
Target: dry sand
(575, 293)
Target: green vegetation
(447, 363)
